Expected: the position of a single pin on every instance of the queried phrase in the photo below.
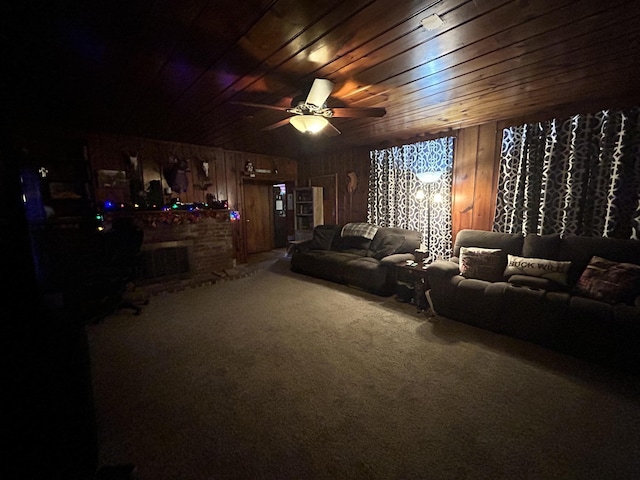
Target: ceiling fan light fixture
(308, 123)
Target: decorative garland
(177, 217)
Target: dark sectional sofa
(356, 254)
(554, 293)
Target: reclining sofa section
(577, 295)
(357, 254)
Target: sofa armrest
(397, 258)
(443, 269)
(299, 246)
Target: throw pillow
(609, 281)
(537, 267)
(481, 263)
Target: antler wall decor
(133, 159)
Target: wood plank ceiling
(171, 69)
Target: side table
(416, 274)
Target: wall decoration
(112, 178)
(133, 159)
(176, 174)
(352, 181)
(65, 191)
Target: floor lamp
(428, 179)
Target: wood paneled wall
(475, 176)
(350, 166)
(226, 167)
(225, 179)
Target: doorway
(329, 184)
(280, 233)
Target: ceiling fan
(311, 115)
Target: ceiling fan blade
(320, 91)
(358, 112)
(279, 124)
(262, 105)
(330, 130)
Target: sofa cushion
(610, 282)
(365, 230)
(507, 242)
(537, 267)
(537, 283)
(541, 246)
(481, 263)
(323, 236)
(326, 264)
(580, 250)
(487, 299)
(356, 238)
(389, 244)
(367, 273)
(396, 258)
(355, 245)
(412, 238)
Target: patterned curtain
(579, 176)
(397, 198)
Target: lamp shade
(308, 123)
(429, 177)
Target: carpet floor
(281, 376)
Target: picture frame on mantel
(112, 178)
(66, 191)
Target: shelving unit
(309, 211)
(65, 181)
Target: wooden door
(329, 184)
(258, 217)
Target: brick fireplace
(166, 259)
(180, 244)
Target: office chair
(109, 281)
(123, 243)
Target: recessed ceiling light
(432, 22)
